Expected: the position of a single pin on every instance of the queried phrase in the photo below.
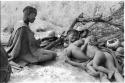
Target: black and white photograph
(67, 41)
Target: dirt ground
(52, 72)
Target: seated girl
(23, 47)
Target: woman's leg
(46, 55)
(100, 58)
(76, 53)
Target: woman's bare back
(76, 52)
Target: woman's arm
(84, 46)
(86, 41)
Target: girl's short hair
(28, 10)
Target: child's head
(29, 14)
(84, 33)
(73, 35)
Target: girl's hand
(38, 41)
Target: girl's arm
(78, 43)
(91, 70)
(81, 65)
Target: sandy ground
(52, 72)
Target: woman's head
(29, 14)
(73, 35)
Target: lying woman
(73, 52)
(23, 47)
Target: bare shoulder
(78, 42)
(18, 24)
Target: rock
(51, 33)
(113, 43)
(65, 45)
(120, 50)
(122, 43)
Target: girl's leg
(103, 78)
(99, 59)
(92, 71)
(76, 64)
(118, 76)
(46, 55)
(110, 65)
